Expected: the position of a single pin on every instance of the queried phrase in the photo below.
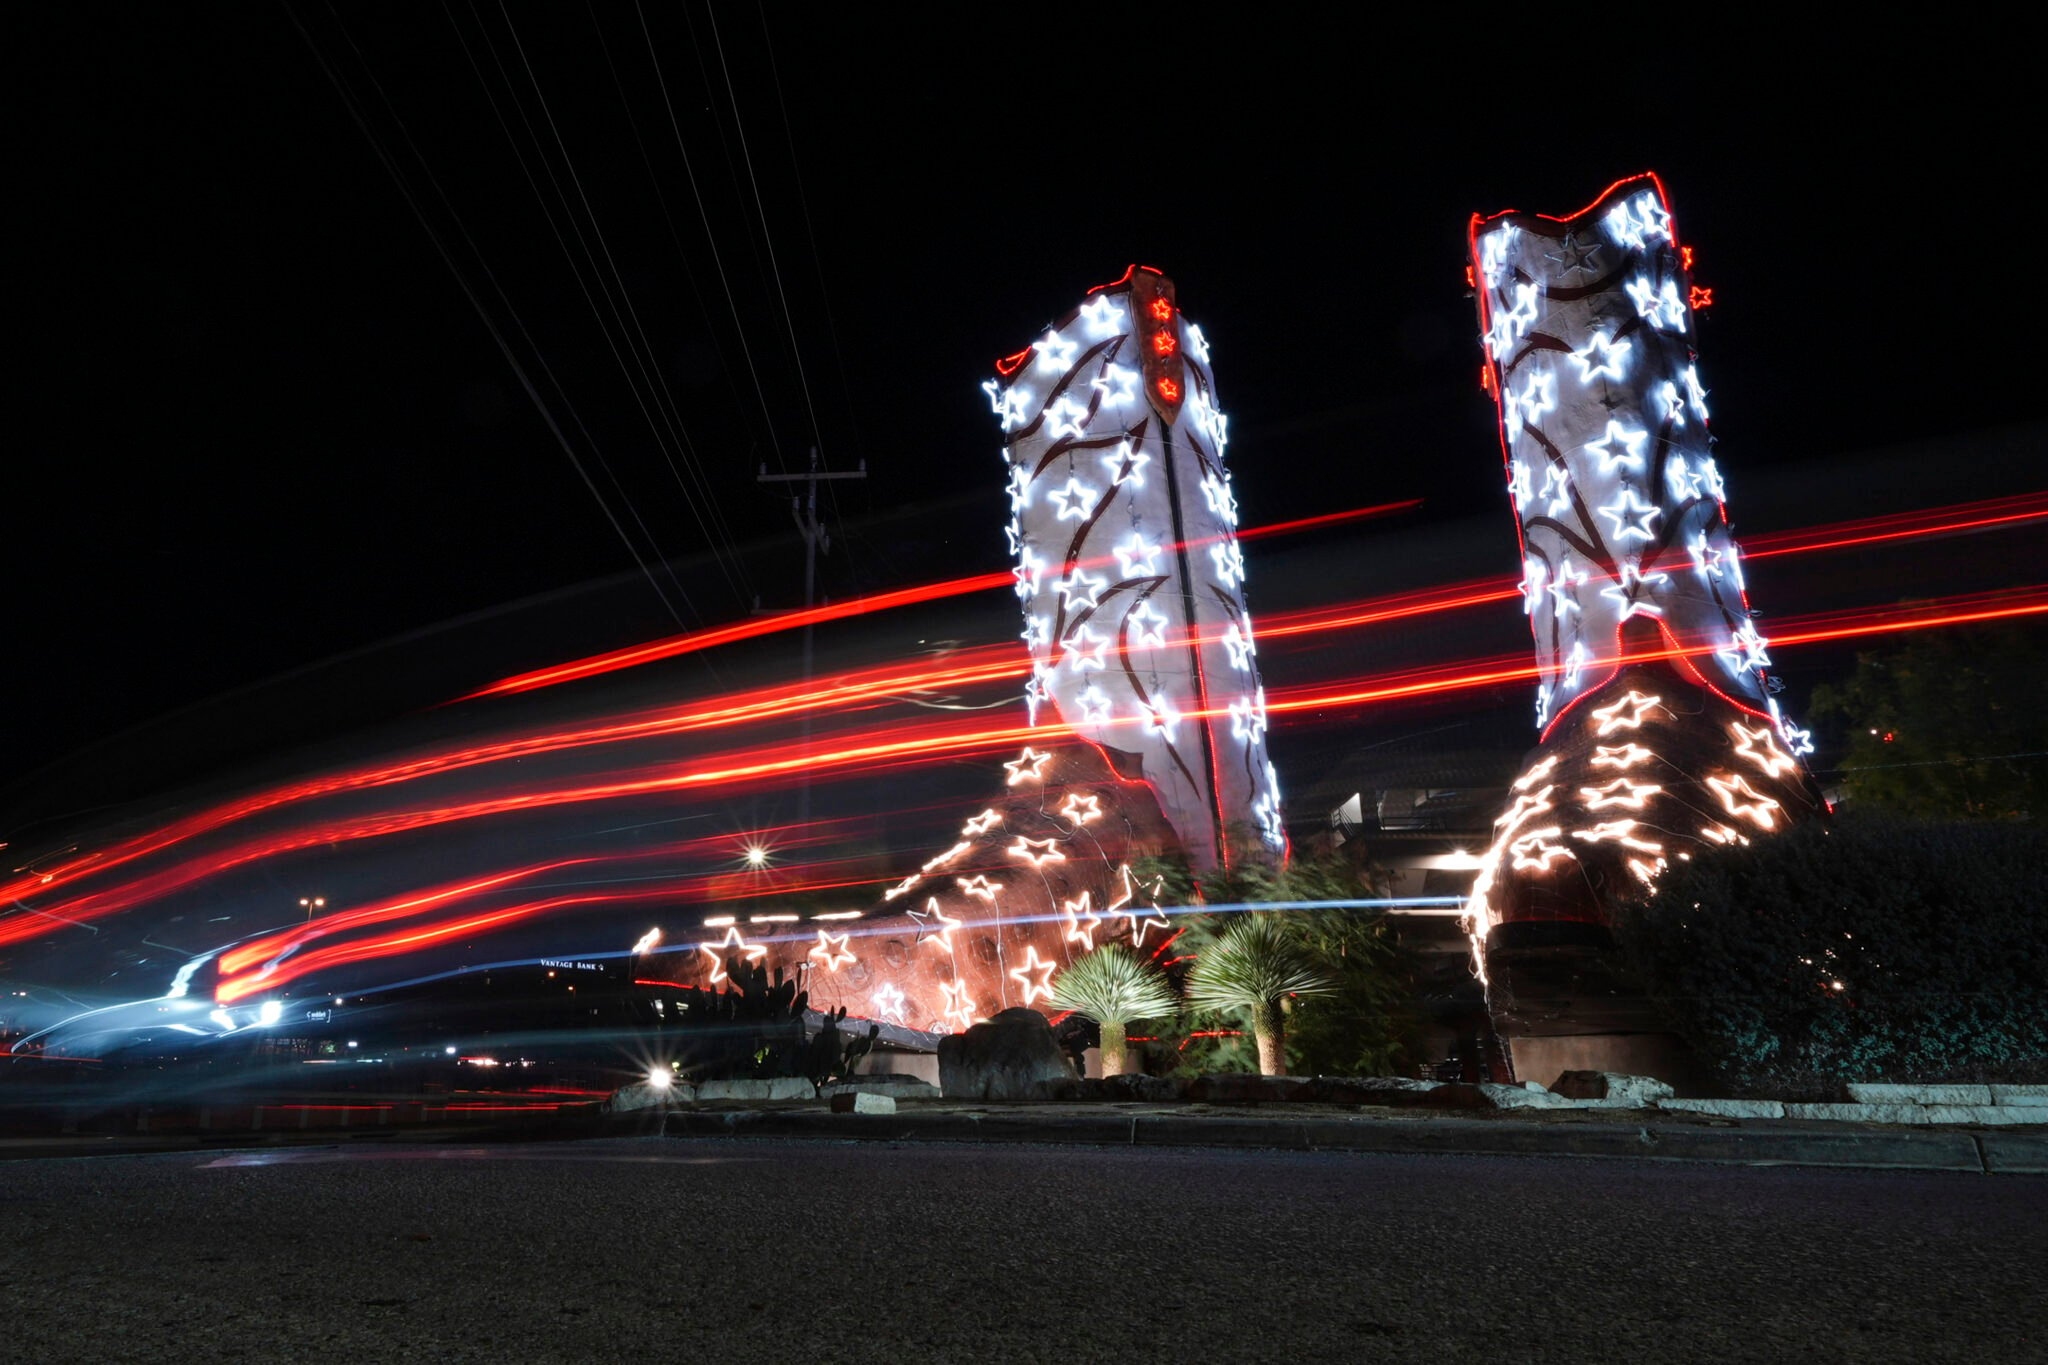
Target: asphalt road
(760, 1250)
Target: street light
(312, 903)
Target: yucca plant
(1113, 986)
(1256, 965)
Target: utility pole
(817, 540)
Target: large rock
(862, 1102)
(1114, 1089)
(1238, 1087)
(1611, 1090)
(647, 1095)
(1877, 1092)
(1387, 1090)
(773, 1088)
(882, 1083)
(1522, 1097)
(1002, 1059)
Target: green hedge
(1866, 948)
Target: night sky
(260, 422)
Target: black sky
(258, 422)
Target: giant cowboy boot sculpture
(1148, 719)
(1659, 732)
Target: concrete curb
(1861, 1148)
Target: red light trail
(678, 645)
(894, 746)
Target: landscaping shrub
(1866, 948)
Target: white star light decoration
(1758, 809)
(1085, 648)
(982, 823)
(1198, 345)
(1601, 358)
(831, 952)
(752, 952)
(1074, 499)
(1037, 852)
(1557, 491)
(959, 1011)
(1159, 717)
(1635, 223)
(1537, 400)
(1533, 574)
(1210, 421)
(1080, 588)
(1624, 594)
(1757, 746)
(1126, 465)
(1019, 488)
(1148, 627)
(888, 1003)
(1746, 650)
(1240, 645)
(1012, 405)
(1028, 766)
(1564, 600)
(1135, 557)
(1103, 317)
(1034, 976)
(1631, 517)
(1248, 717)
(1055, 353)
(1493, 253)
(1028, 571)
(1624, 714)
(1216, 492)
(1076, 910)
(1663, 308)
(1066, 418)
(1117, 385)
(1694, 394)
(1520, 487)
(1229, 560)
(1574, 662)
(1510, 324)
(1081, 808)
(1620, 792)
(942, 937)
(1095, 706)
(1629, 456)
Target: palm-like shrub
(1256, 965)
(1113, 986)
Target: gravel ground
(766, 1250)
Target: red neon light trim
(1597, 201)
(1010, 364)
(1125, 278)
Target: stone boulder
(1002, 1059)
(1112, 1089)
(647, 1095)
(1237, 1087)
(1501, 1096)
(1387, 1090)
(1611, 1090)
(882, 1083)
(862, 1102)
